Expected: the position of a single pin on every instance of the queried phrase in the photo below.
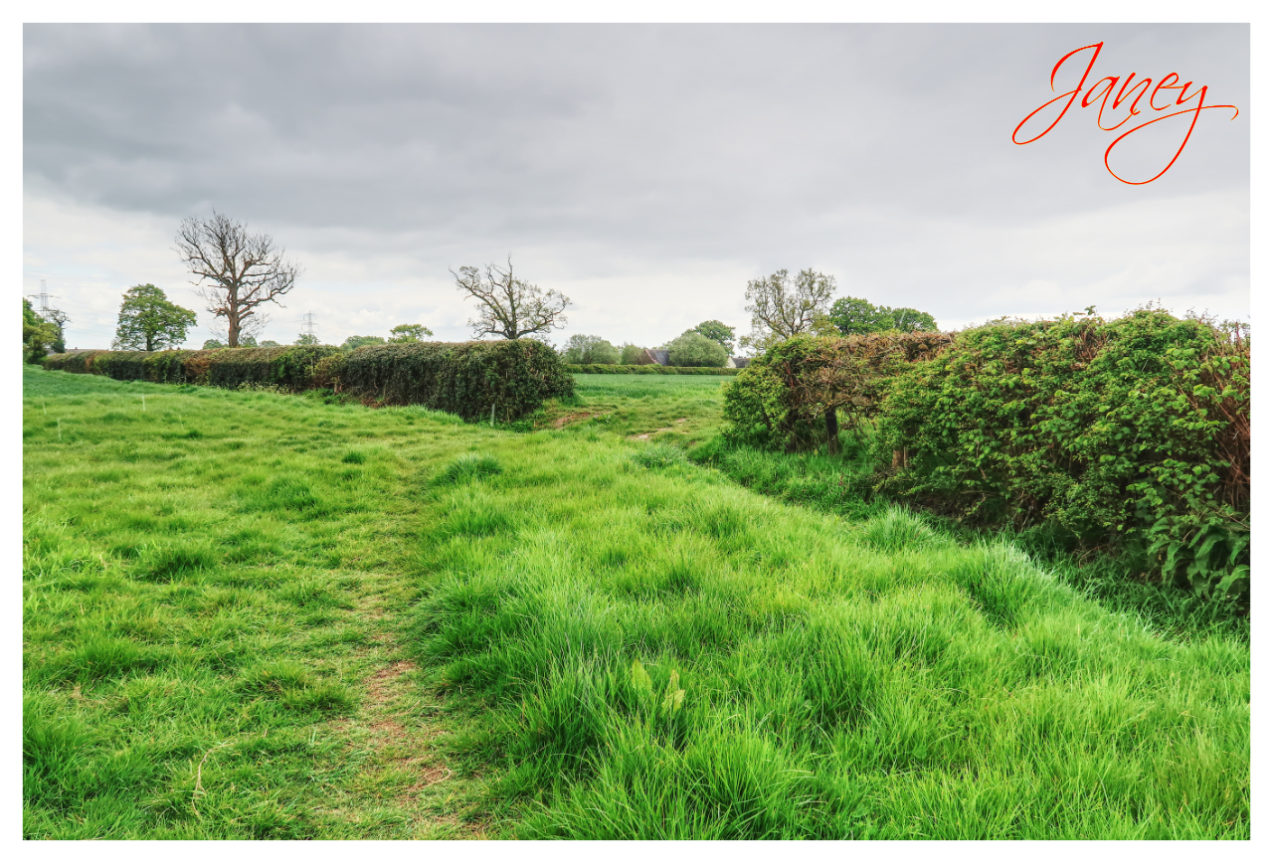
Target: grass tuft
(468, 468)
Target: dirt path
(646, 435)
(395, 781)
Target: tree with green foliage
(582, 349)
(782, 307)
(718, 332)
(359, 341)
(632, 355)
(910, 320)
(149, 322)
(270, 343)
(59, 319)
(213, 344)
(692, 348)
(38, 335)
(856, 316)
(409, 333)
(306, 339)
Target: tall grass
(619, 643)
(875, 680)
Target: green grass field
(251, 615)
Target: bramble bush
(1129, 434)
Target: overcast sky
(648, 172)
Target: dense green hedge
(791, 396)
(289, 367)
(1131, 433)
(467, 378)
(71, 361)
(506, 379)
(651, 369)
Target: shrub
(466, 378)
(166, 367)
(39, 336)
(71, 361)
(791, 396)
(121, 365)
(1132, 433)
(507, 379)
(290, 367)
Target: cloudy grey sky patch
(646, 171)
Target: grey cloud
(614, 150)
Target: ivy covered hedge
(466, 378)
(792, 396)
(1130, 433)
(505, 379)
(287, 367)
(649, 369)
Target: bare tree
(781, 307)
(236, 271)
(508, 306)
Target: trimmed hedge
(288, 367)
(72, 361)
(505, 379)
(651, 369)
(465, 378)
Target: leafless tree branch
(509, 306)
(234, 271)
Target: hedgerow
(1132, 433)
(791, 397)
(289, 367)
(468, 378)
(503, 380)
(71, 361)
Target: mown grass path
(255, 615)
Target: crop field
(256, 615)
